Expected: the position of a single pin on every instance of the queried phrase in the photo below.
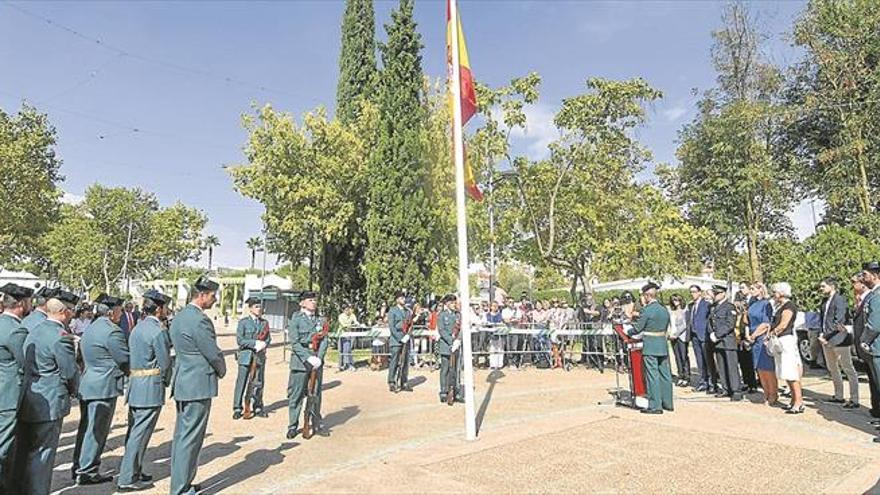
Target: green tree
(312, 180)
(121, 234)
(834, 251)
(734, 177)
(210, 243)
(397, 253)
(357, 59)
(29, 173)
(254, 244)
(835, 93)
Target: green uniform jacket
(445, 325)
(12, 336)
(50, 374)
(301, 329)
(105, 356)
(722, 321)
(654, 319)
(32, 320)
(199, 362)
(246, 337)
(150, 349)
(872, 319)
(396, 317)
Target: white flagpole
(463, 282)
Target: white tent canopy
(668, 282)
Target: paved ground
(541, 431)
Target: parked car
(810, 321)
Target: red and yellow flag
(468, 93)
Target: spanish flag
(468, 93)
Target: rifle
(404, 350)
(453, 364)
(312, 396)
(252, 374)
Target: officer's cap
(449, 298)
(47, 293)
(204, 284)
(308, 295)
(871, 266)
(718, 289)
(253, 301)
(650, 286)
(109, 301)
(17, 292)
(66, 297)
(157, 297)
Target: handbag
(774, 346)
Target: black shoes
(236, 415)
(835, 400)
(651, 411)
(292, 433)
(736, 397)
(851, 405)
(262, 414)
(93, 479)
(392, 388)
(137, 486)
(146, 478)
(406, 388)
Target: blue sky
(165, 114)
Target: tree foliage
(834, 251)
(834, 95)
(29, 174)
(357, 59)
(398, 247)
(119, 233)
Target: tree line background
(365, 197)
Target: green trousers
(96, 417)
(659, 382)
(7, 447)
(141, 423)
(35, 456)
(241, 383)
(189, 435)
(448, 375)
(297, 389)
(394, 363)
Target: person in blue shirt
(759, 317)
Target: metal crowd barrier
(494, 345)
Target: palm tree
(210, 243)
(254, 244)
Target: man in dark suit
(722, 325)
(861, 293)
(836, 342)
(697, 317)
(129, 319)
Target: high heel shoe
(795, 410)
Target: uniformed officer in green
(50, 380)
(104, 352)
(150, 349)
(871, 305)
(396, 318)
(198, 366)
(252, 336)
(448, 345)
(304, 324)
(16, 302)
(38, 315)
(722, 324)
(651, 325)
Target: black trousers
(710, 362)
(873, 385)
(682, 361)
(727, 366)
(747, 367)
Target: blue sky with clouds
(156, 101)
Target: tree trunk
(253, 257)
(574, 285)
(864, 190)
(752, 234)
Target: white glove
(315, 361)
(713, 337)
(866, 347)
(455, 345)
(405, 339)
(260, 345)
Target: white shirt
(7, 313)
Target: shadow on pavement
(331, 385)
(854, 418)
(278, 404)
(254, 464)
(340, 417)
(415, 382)
(492, 380)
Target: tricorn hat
(17, 292)
(204, 284)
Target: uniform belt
(654, 334)
(146, 372)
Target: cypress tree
(398, 230)
(357, 58)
